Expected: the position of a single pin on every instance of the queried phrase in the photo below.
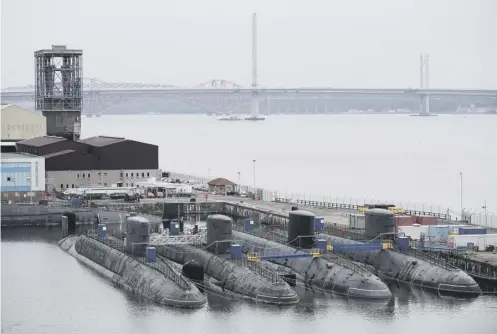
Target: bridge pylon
(424, 83)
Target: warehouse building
(96, 161)
(19, 123)
(23, 177)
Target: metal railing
(256, 267)
(331, 256)
(163, 267)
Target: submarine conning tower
(378, 222)
(301, 229)
(138, 230)
(219, 234)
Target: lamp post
(485, 208)
(462, 210)
(255, 191)
(209, 170)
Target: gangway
(166, 239)
(352, 248)
(254, 257)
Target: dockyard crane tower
(59, 90)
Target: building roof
(5, 107)
(41, 141)
(17, 155)
(55, 154)
(100, 141)
(220, 181)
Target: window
(132, 184)
(67, 186)
(61, 186)
(8, 178)
(148, 174)
(72, 185)
(126, 174)
(88, 175)
(143, 174)
(131, 174)
(121, 174)
(105, 184)
(77, 175)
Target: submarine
(157, 281)
(222, 259)
(317, 271)
(399, 266)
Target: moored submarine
(318, 271)
(399, 266)
(234, 277)
(159, 282)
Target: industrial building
(94, 161)
(23, 177)
(19, 123)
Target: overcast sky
(334, 43)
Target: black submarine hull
(234, 277)
(400, 267)
(319, 272)
(132, 275)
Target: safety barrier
(161, 267)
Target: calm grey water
(44, 290)
(413, 161)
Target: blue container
(102, 231)
(318, 223)
(403, 244)
(174, 227)
(248, 225)
(236, 251)
(472, 230)
(322, 245)
(150, 254)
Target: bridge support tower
(59, 90)
(424, 83)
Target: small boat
(230, 118)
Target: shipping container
(414, 232)
(471, 230)
(479, 240)
(426, 220)
(454, 229)
(404, 221)
(438, 233)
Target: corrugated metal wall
(19, 123)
